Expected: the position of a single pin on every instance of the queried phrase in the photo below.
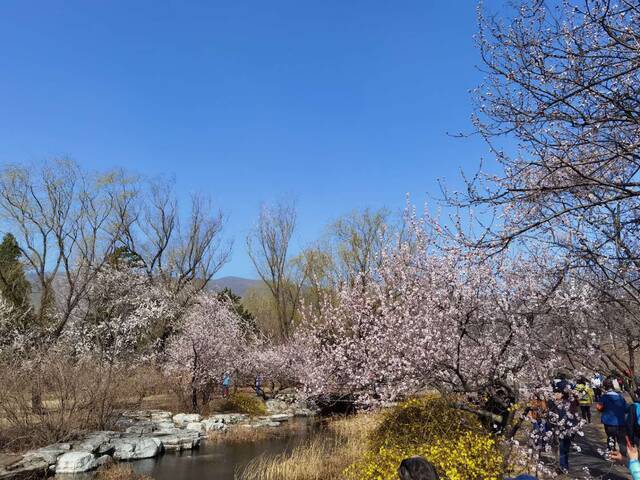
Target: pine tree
(14, 285)
(248, 320)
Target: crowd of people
(556, 420)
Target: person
(613, 407)
(537, 413)
(417, 468)
(633, 419)
(565, 408)
(615, 381)
(634, 464)
(226, 382)
(258, 386)
(596, 384)
(585, 397)
(560, 382)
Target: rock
(141, 428)
(28, 465)
(75, 462)
(180, 440)
(276, 406)
(103, 460)
(165, 425)
(281, 417)
(160, 416)
(262, 424)
(229, 418)
(49, 453)
(97, 442)
(195, 426)
(133, 448)
(211, 425)
(181, 419)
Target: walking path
(589, 457)
(594, 439)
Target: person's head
(607, 384)
(417, 468)
(582, 381)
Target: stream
(221, 460)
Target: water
(220, 460)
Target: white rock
(277, 406)
(229, 418)
(213, 425)
(160, 416)
(49, 454)
(141, 428)
(75, 462)
(133, 448)
(281, 417)
(180, 440)
(165, 425)
(181, 419)
(93, 442)
(262, 424)
(195, 426)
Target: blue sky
(338, 104)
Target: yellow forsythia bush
(454, 441)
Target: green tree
(248, 319)
(14, 285)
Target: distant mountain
(237, 285)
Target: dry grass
(321, 458)
(119, 471)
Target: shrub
(454, 441)
(241, 403)
(421, 420)
(470, 456)
(54, 395)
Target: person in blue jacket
(613, 407)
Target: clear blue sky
(339, 104)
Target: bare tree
(183, 254)
(66, 224)
(268, 246)
(69, 223)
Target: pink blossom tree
(436, 316)
(210, 343)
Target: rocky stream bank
(140, 435)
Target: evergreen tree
(14, 285)
(248, 320)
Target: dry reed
(323, 456)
